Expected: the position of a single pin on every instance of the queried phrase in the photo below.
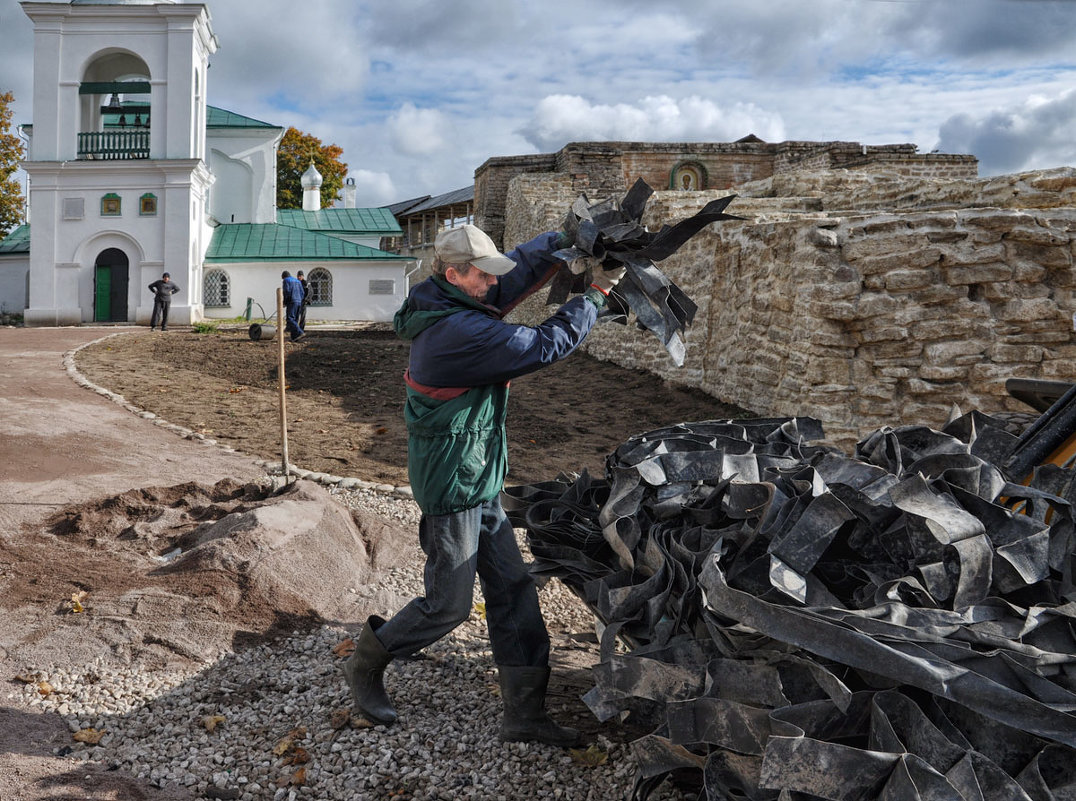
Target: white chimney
(349, 193)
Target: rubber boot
(363, 672)
(525, 720)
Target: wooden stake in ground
(280, 373)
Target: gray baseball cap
(469, 244)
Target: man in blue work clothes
(463, 355)
(293, 302)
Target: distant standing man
(306, 299)
(162, 290)
(293, 303)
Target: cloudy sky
(419, 93)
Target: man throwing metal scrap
(463, 355)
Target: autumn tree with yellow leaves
(11, 200)
(292, 160)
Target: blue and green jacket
(463, 354)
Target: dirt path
(64, 447)
(61, 444)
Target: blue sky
(419, 93)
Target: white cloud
(1035, 134)
(559, 119)
(373, 189)
(422, 94)
(309, 60)
(418, 131)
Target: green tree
(292, 160)
(11, 201)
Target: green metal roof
(253, 242)
(219, 118)
(17, 241)
(342, 221)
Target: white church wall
(244, 163)
(231, 199)
(14, 283)
(351, 289)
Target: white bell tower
(118, 181)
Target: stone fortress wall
(863, 296)
(605, 169)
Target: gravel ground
(272, 722)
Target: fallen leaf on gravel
(344, 647)
(210, 722)
(298, 756)
(287, 743)
(591, 757)
(76, 601)
(88, 736)
(233, 390)
(299, 777)
(323, 431)
(339, 718)
(359, 722)
(44, 688)
(27, 678)
(480, 608)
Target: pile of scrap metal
(610, 235)
(791, 622)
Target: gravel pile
(273, 722)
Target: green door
(102, 294)
(110, 287)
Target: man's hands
(604, 280)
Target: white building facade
(132, 174)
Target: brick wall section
(887, 317)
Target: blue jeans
(292, 316)
(457, 546)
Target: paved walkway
(62, 443)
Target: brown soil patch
(345, 398)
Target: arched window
(320, 282)
(216, 289)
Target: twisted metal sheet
(794, 622)
(611, 235)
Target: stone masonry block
(892, 333)
(906, 280)
(833, 311)
(899, 259)
(1024, 354)
(929, 372)
(1032, 309)
(1047, 256)
(945, 352)
(988, 273)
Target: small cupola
(311, 183)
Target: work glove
(604, 280)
